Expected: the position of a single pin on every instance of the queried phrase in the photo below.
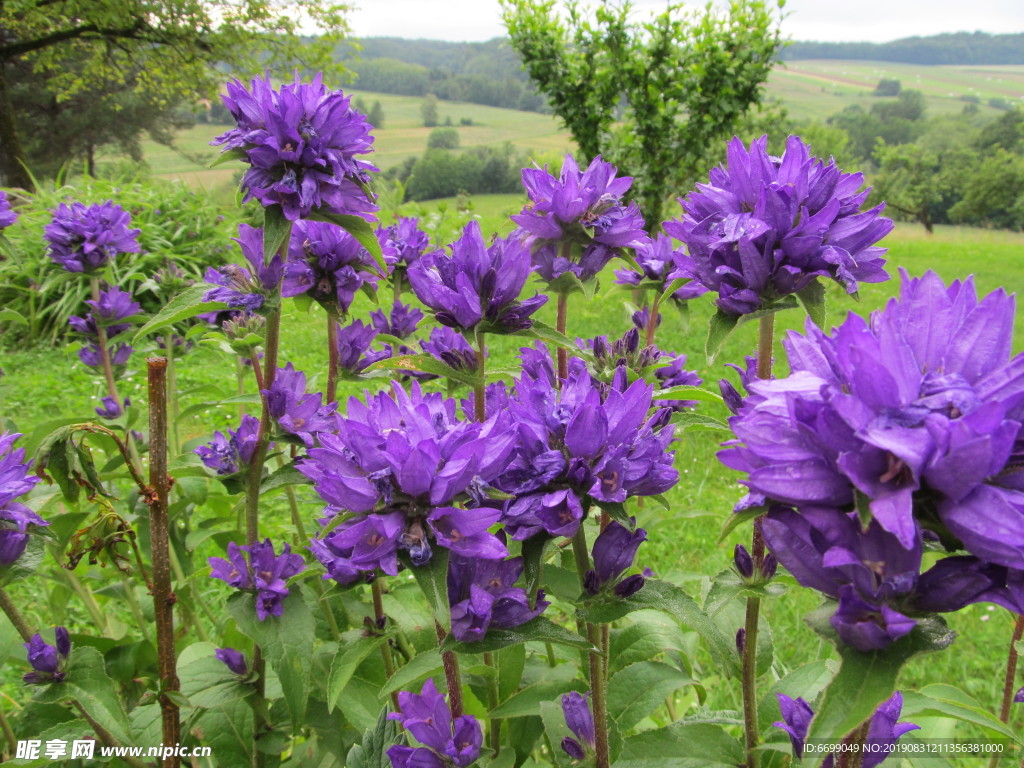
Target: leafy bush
(178, 224)
(443, 138)
(479, 170)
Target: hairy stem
(1009, 682)
(452, 674)
(853, 757)
(480, 388)
(652, 321)
(15, 616)
(101, 342)
(560, 323)
(332, 357)
(380, 620)
(595, 666)
(163, 594)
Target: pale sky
(824, 20)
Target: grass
(43, 384)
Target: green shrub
(443, 138)
(478, 170)
(177, 224)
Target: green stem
(197, 598)
(135, 609)
(9, 608)
(493, 699)
(652, 322)
(172, 397)
(12, 740)
(104, 735)
(380, 621)
(751, 624)
(86, 596)
(240, 377)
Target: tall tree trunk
(12, 156)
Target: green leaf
(865, 680)
(282, 476)
(205, 680)
(276, 231)
(681, 745)
(550, 335)
(719, 329)
(942, 700)
(689, 420)
(186, 304)
(425, 364)
(287, 642)
(511, 663)
(372, 751)
(737, 519)
(229, 155)
(688, 392)
(527, 701)
(812, 297)
(8, 315)
(432, 578)
(568, 283)
(420, 667)
(639, 689)
(361, 230)
(672, 287)
(728, 586)
(663, 596)
(805, 682)
(533, 562)
(345, 665)
(87, 683)
(234, 400)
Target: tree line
(950, 48)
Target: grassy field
(50, 383)
(811, 89)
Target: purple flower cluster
(231, 454)
(408, 242)
(48, 661)
(914, 416)
(7, 216)
(578, 222)
(108, 312)
(581, 722)
(614, 551)
(355, 354)
(482, 594)
(301, 143)
(661, 264)
(296, 411)
(445, 743)
(328, 264)
(399, 463)
(401, 323)
(451, 348)
(242, 288)
(15, 518)
(111, 409)
(766, 227)
(579, 444)
(883, 731)
(258, 569)
(477, 285)
(83, 238)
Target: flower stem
(560, 323)
(596, 668)
(652, 321)
(765, 334)
(172, 397)
(493, 699)
(332, 357)
(163, 594)
(106, 736)
(380, 620)
(14, 615)
(452, 675)
(480, 388)
(101, 339)
(1009, 684)
(850, 757)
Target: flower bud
(741, 639)
(769, 565)
(743, 562)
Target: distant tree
(376, 115)
(359, 105)
(650, 97)
(429, 111)
(1006, 131)
(443, 138)
(911, 105)
(887, 87)
(993, 193)
(916, 181)
(174, 49)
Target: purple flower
(401, 323)
(119, 354)
(580, 721)
(84, 238)
(1018, 697)
(7, 216)
(407, 240)
(15, 481)
(482, 594)
(113, 307)
(231, 454)
(354, 352)
(234, 660)
(246, 288)
(614, 551)
(12, 546)
(301, 143)
(451, 348)
(661, 265)
(917, 410)
(477, 285)
(767, 227)
(580, 443)
(399, 462)
(426, 717)
(883, 731)
(578, 222)
(328, 264)
(111, 409)
(48, 661)
(261, 571)
(296, 411)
